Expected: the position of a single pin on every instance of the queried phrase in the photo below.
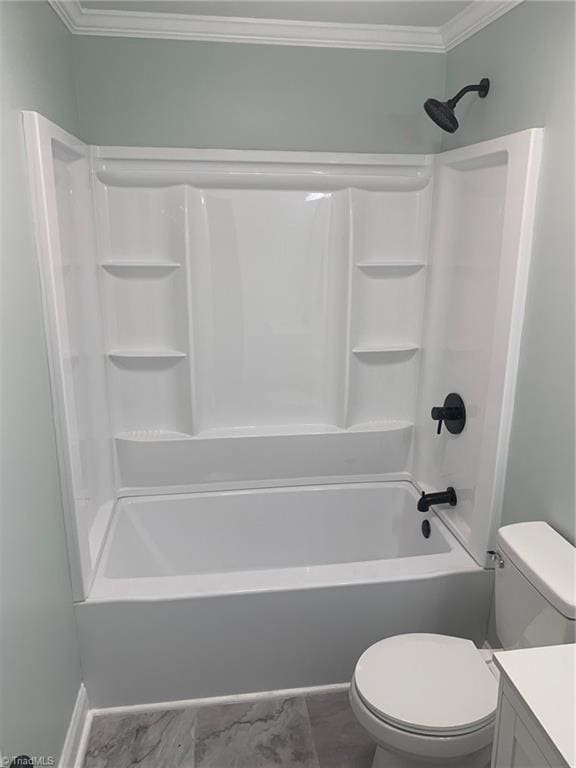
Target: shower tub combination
(245, 348)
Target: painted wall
(187, 94)
(529, 56)
(39, 666)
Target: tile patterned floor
(314, 731)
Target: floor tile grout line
(312, 736)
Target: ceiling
(421, 13)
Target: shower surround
(245, 348)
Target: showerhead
(442, 112)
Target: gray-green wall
(529, 56)
(177, 93)
(39, 667)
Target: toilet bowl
(426, 700)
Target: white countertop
(545, 678)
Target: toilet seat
(433, 685)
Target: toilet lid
(429, 684)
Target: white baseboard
(70, 755)
(214, 700)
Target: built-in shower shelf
(270, 430)
(146, 354)
(152, 435)
(301, 430)
(380, 266)
(387, 349)
(380, 426)
(285, 430)
(129, 265)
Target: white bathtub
(214, 593)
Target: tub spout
(428, 500)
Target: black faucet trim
(428, 500)
(452, 414)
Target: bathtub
(218, 593)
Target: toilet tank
(535, 600)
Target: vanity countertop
(545, 679)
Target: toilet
(429, 699)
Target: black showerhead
(442, 112)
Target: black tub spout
(428, 500)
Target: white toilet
(431, 699)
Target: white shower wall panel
(138, 223)
(268, 277)
(485, 197)
(141, 307)
(388, 303)
(168, 461)
(382, 387)
(256, 295)
(60, 169)
(388, 226)
(88, 425)
(150, 395)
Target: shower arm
(467, 89)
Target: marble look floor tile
(340, 740)
(146, 740)
(259, 734)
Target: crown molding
(472, 19)
(229, 29)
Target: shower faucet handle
(438, 414)
(445, 413)
(452, 414)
